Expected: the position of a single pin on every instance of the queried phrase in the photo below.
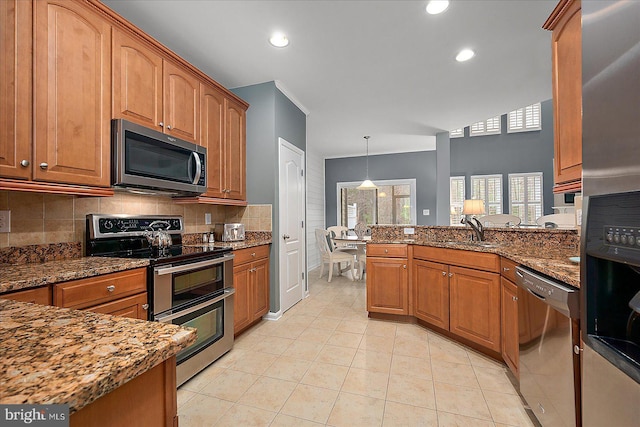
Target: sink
(476, 244)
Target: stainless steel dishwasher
(548, 313)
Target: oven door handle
(198, 173)
(167, 318)
(192, 266)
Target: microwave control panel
(624, 237)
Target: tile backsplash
(50, 218)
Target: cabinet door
(236, 145)
(387, 285)
(509, 325)
(212, 111)
(181, 103)
(72, 90)
(40, 295)
(241, 299)
(15, 89)
(431, 292)
(475, 306)
(260, 289)
(137, 82)
(566, 50)
(134, 307)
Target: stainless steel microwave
(145, 160)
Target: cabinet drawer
(40, 295)
(508, 269)
(100, 289)
(477, 260)
(391, 250)
(134, 307)
(250, 254)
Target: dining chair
(339, 231)
(564, 220)
(330, 256)
(499, 220)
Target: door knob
(145, 306)
(161, 124)
(24, 163)
(169, 127)
(444, 273)
(450, 274)
(44, 165)
(286, 236)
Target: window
(524, 119)
(456, 133)
(525, 196)
(489, 189)
(394, 202)
(488, 127)
(456, 199)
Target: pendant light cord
(367, 139)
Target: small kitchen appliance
(229, 232)
(186, 285)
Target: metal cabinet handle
(24, 163)
(506, 269)
(386, 251)
(450, 274)
(44, 165)
(444, 273)
(111, 288)
(253, 254)
(161, 124)
(514, 298)
(145, 306)
(169, 127)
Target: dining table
(357, 243)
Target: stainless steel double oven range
(187, 285)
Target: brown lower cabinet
(122, 294)
(251, 282)
(510, 346)
(387, 279)
(41, 295)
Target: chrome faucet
(478, 229)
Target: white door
(291, 224)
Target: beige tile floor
(325, 363)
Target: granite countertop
(24, 276)
(553, 262)
(244, 244)
(54, 355)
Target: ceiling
(379, 68)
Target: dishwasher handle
(561, 297)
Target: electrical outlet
(409, 230)
(425, 212)
(207, 218)
(5, 221)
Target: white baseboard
(273, 316)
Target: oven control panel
(103, 226)
(625, 237)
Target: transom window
(525, 196)
(394, 202)
(487, 127)
(489, 189)
(456, 133)
(525, 119)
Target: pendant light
(367, 184)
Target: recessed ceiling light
(435, 7)
(465, 55)
(279, 40)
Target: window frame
(351, 184)
(487, 127)
(526, 221)
(486, 202)
(524, 128)
(464, 194)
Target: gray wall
(508, 153)
(271, 115)
(420, 166)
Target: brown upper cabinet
(55, 98)
(72, 92)
(152, 91)
(222, 131)
(566, 53)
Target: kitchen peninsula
(95, 363)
